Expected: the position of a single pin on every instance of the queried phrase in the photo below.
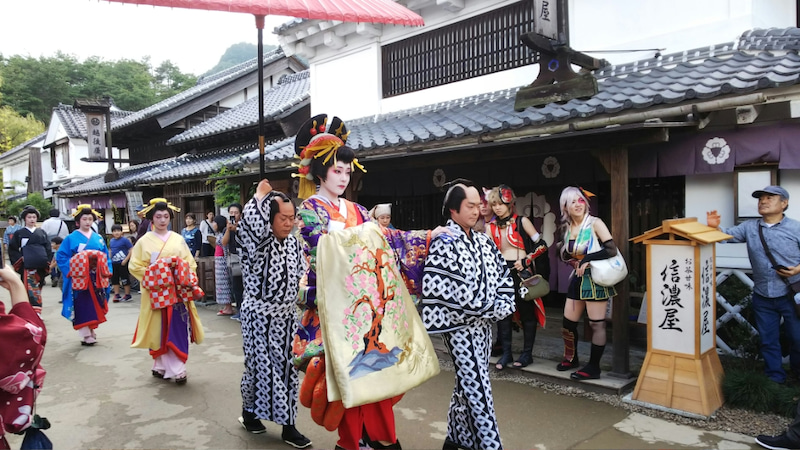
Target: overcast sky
(193, 40)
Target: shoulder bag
(794, 287)
(235, 264)
(608, 272)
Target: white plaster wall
(676, 25)
(77, 168)
(15, 171)
(47, 169)
(349, 86)
(235, 99)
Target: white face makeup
(161, 221)
(337, 180)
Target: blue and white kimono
(466, 286)
(80, 307)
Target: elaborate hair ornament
(320, 142)
(154, 201)
(83, 206)
(506, 196)
(586, 193)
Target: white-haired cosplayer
(585, 238)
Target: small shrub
(752, 390)
(786, 400)
(749, 390)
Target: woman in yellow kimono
(166, 331)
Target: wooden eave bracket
(557, 82)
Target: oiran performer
(165, 268)
(326, 162)
(465, 289)
(85, 291)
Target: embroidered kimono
(410, 247)
(466, 287)
(23, 335)
(173, 327)
(271, 270)
(85, 307)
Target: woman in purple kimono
(327, 163)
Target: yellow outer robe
(148, 328)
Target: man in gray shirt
(772, 296)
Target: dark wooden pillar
(615, 161)
(354, 188)
(35, 180)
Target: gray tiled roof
(184, 167)
(74, 120)
(290, 94)
(761, 61)
(207, 84)
(24, 145)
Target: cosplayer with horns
(329, 223)
(525, 253)
(84, 260)
(165, 268)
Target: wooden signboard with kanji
(681, 370)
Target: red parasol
(362, 11)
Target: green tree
(35, 199)
(169, 80)
(16, 129)
(225, 192)
(35, 86)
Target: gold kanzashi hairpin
(154, 201)
(83, 206)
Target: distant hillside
(237, 54)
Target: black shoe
(252, 425)
(450, 445)
(291, 436)
(587, 373)
(378, 446)
(567, 365)
(157, 374)
(781, 442)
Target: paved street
(104, 397)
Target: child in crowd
(120, 255)
(55, 274)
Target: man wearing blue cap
(773, 246)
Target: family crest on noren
(324, 286)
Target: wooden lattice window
(477, 46)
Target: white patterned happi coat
(271, 270)
(466, 287)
